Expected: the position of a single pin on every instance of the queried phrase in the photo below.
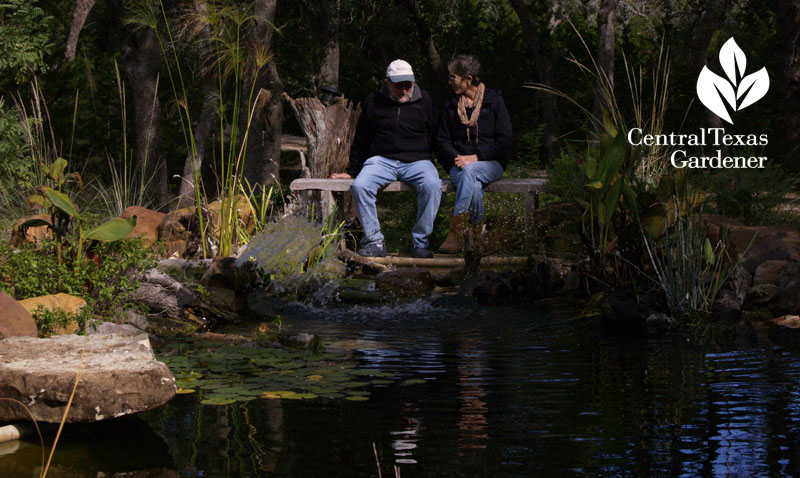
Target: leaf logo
(738, 91)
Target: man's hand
(462, 161)
(341, 176)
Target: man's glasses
(403, 85)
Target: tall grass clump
(640, 223)
(129, 184)
(219, 31)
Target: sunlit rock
(118, 376)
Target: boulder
(177, 225)
(755, 245)
(243, 212)
(174, 248)
(21, 235)
(70, 304)
(118, 376)
(108, 328)
(147, 222)
(405, 283)
(15, 320)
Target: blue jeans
(376, 174)
(469, 183)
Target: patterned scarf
(473, 118)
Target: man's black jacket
(491, 141)
(402, 131)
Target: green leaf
(608, 124)
(594, 185)
(56, 171)
(613, 158)
(38, 201)
(654, 221)
(35, 222)
(113, 230)
(612, 197)
(61, 201)
(709, 252)
(590, 167)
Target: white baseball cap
(398, 71)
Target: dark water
(506, 392)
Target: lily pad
(357, 398)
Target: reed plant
(224, 28)
(688, 268)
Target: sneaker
(422, 253)
(375, 249)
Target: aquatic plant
(225, 374)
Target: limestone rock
(20, 235)
(243, 212)
(15, 320)
(177, 225)
(405, 283)
(108, 328)
(135, 319)
(70, 304)
(147, 222)
(118, 376)
(756, 245)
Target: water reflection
(501, 392)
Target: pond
(475, 392)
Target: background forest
(115, 84)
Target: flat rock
(118, 376)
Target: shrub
(105, 284)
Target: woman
(473, 142)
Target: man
(393, 142)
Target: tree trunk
(202, 127)
(263, 150)
(329, 71)
(789, 31)
(79, 15)
(202, 130)
(141, 56)
(426, 41)
(544, 74)
(605, 53)
(330, 131)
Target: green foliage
(527, 147)
(49, 322)
(63, 213)
(105, 284)
(565, 178)
(15, 164)
(688, 268)
(757, 196)
(26, 33)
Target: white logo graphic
(740, 92)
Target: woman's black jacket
(491, 140)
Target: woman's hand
(462, 161)
(341, 176)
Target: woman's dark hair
(466, 65)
